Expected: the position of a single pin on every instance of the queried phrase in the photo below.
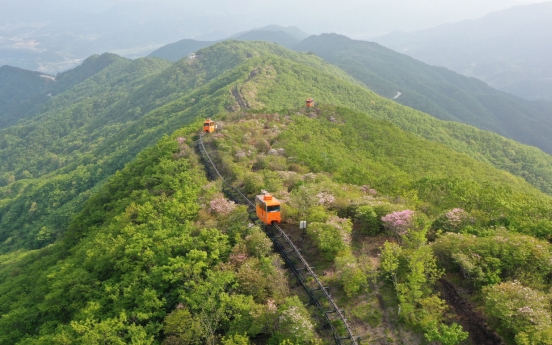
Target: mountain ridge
(107, 123)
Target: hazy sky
(358, 18)
(355, 18)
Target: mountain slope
(177, 50)
(433, 90)
(154, 250)
(50, 170)
(23, 93)
(285, 36)
(170, 261)
(437, 91)
(508, 49)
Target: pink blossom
(221, 206)
(325, 198)
(457, 217)
(398, 222)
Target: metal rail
(291, 254)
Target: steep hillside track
(319, 295)
(473, 322)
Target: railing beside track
(319, 295)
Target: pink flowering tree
(458, 218)
(398, 223)
(221, 206)
(453, 220)
(325, 198)
(184, 149)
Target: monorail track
(319, 295)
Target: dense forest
(111, 232)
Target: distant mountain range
(510, 50)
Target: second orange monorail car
(209, 126)
(268, 208)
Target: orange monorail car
(268, 208)
(209, 126)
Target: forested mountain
(430, 89)
(23, 93)
(177, 50)
(110, 231)
(87, 133)
(437, 91)
(509, 49)
(157, 254)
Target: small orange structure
(268, 208)
(310, 102)
(209, 126)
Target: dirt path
(471, 321)
(238, 98)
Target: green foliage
(337, 152)
(414, 272)
(351, 276)
(317, 214)
(134, 253)
(102, 120)
(330, 237)
(180, 327)
(294, 324)
(133, 250)
(369, 313)
(235, 339)
(520, 311)
(446, 335)
(369, 220)
(21, 93)
(178, 50)
(497, 257)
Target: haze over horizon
(57, 35)
(357, 19)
